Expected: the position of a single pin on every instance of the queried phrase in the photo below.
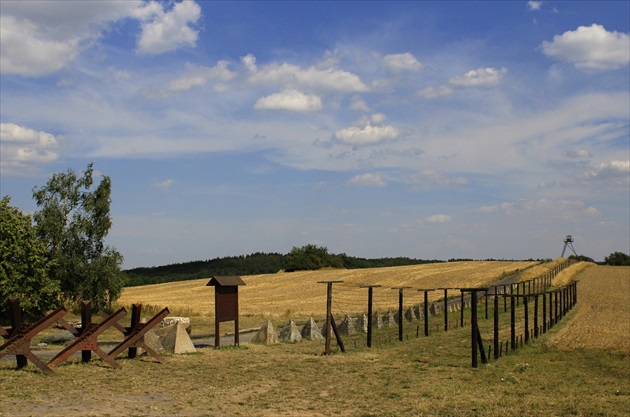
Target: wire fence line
(506, 315)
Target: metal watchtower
(568, 242)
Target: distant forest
(305, 258)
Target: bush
(617, 259)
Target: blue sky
(420, 129)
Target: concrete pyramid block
(266, 335)
(377, 321)
(419, 309)
(362, 323)
(177, 340)
(410, 315)
(291, 333)
(389, 319)
(153, 341)
(347, 326)
(311, 331)
(433, 309)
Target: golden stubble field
(603, 318)
(298, 294)
(576, 369)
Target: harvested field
(299, 293)
(425, 376)
(602, 318)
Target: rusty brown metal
(136, 332)
(225, 304)
(19, 338)
(88, 340)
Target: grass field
(567, 372)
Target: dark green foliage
(311, 258)
(617, 259)
(24, 264)
(258, 263)
(72, 223)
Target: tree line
(304, 258)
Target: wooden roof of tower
(230, 281)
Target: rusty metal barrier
(19, 336)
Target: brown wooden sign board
(225, 304)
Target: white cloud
(359, 104)
(401, 62)
(26, 52)
(40, 38)
(294, 76)
(609, 171)
(579, 153)
(484, 77)
(369, 179)
(194, 76)
(481, 77)
(438, 218)
(22, 148)
(534, 5)
(590, 47)
(163, 185)
(364, 132)
(571, 210)
(433, 92)
(167, 31)
(291, 100)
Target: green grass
(420, 377)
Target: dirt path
(603, 311)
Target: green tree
(617, 259)
(73, 223)
(311, 257)
(24, 264)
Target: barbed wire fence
(505, 316)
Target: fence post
(461, 311)
(401, 317)
(544, 312)
(555, 307)
(426, 311)
(476, 341)
(525, 304)
(328, 313)
(512, 323)
(536, 316)
(369, 329)
(445, 309)
(496, 325)
(486, 302)
(504, 298)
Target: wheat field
(299, 294)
